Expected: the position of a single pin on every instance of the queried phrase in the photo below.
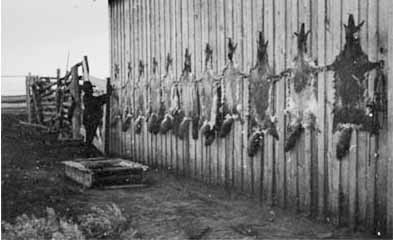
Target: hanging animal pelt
(126, 117)
(232, 79)
(140, 99)
(210, 99)
(156, 105)
(114, 101)
(261, 81)
(302, 101)
(138, 92)
(352, 104)
(187, 83)
(175, 110)
(166, 97)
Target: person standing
(93, 112)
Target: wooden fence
(55, 102)
(15, 104)
(356, 191)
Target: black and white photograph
(196, 119)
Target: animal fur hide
(166, 96)
(156, 106)
(187, 81)
(302, 101)
(139, 90)
(175, 110)
(210, 100)
(232, 79)
(352, 103)
(260, 89)
(126, 104)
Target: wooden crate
(101, 171)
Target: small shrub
(106, 222)
(49, 227)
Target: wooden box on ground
(91, 172)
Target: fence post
(389, 198)
(75, 91)
(28, 103)
(85, 69)
(107, 118)
(59, 97)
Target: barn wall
(355, 191)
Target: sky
(37, 35)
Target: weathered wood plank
(220, 31)
(352, 180)
(247, 64)
(28, 98)
(280, 60)
(124, 70)
(382, 162)
(334, 46)
(211, 38)
(389, 196)
(322, 162)
(128, 49)
(238, 59)
(111, 34)
(269, 142)
(362, 177)
(199, 68)
(291, 51)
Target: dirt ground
(170, 208)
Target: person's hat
(87, 86)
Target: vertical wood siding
(356, 191)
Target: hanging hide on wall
(186, 83)
(155, 112)
(232, 79)
(302, 102)
(260, 88)
(353, 106)
(176, 112)
(115, 100)
(175, 109)
(210, 99)
(139, 90)
(166, 83)
(126, 116)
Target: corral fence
(355, 190)
(56, 102)
(15, 104)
